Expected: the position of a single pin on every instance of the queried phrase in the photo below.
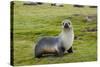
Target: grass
(33, 22)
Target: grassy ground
(32, 22)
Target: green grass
(33, 22)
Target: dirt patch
(90, 30)
(90, 18)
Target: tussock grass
(34, 22)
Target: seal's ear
(63, 23)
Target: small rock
(93, 6)
(90, 18)
(29, 3)
(40, 3)
(57, 4)
(78, 6)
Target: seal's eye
(69, 23)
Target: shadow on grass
(53, 56)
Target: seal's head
(67, 24)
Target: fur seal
(56, 45)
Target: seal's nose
(66, 25)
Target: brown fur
(48, 50)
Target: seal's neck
(67, 30)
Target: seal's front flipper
(70, 50)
